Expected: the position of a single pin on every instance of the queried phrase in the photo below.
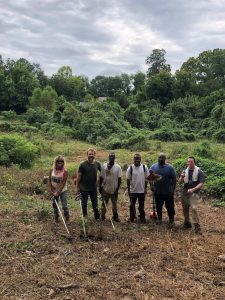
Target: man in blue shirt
(164, 189)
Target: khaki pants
(190, 201)
(114, 199)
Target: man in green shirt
(87, 181)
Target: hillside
(139, 262)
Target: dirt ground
(139, 261)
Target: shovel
(153, 214)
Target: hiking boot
(186, 225)
(197, 228)
(102, 217)
(57, 219)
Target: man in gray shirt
(193, 179)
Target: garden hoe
(56, 203)
(103, 200)
(78, 198)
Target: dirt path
(139, 262)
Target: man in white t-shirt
(110, 180)
(137, 175)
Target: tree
(138, 81)
(73, 88)
(157, 62)
(18, 81)
(45, 98)
(159, 87)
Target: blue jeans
(94, 202)
(63, 198)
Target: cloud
(108, 37)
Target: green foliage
(159, 87)
(219, 135)
(10, 114)
(38, 115)
(18, 150)
(58, 131)
(9, 127)
(166, 134)
(157, 62)
(203, 150)
(45, 98)
(133, 115)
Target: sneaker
(132, 220)
(197, 228)
(171, 224)
(158, 222)
(186, 225)
(97, 215)
(143, 221)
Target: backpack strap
(131, 170)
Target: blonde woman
(58, 186)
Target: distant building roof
(101, 99)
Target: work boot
(116, 218)
(186, 225)
(102, 217)
(197, 228)
(97, 215)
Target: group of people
(92, 177)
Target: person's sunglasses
(60, 161)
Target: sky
(108, 37)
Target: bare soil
(138, 261)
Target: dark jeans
(63, 198)
(141, 202)
(94, 202)
(169, 203)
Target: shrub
(165, 134)
(55, 130)
(10, 114)
(203, 150)
(219, 135)
(18, 150)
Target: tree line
(157, 104)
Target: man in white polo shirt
(137, 175)
(110, 180)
